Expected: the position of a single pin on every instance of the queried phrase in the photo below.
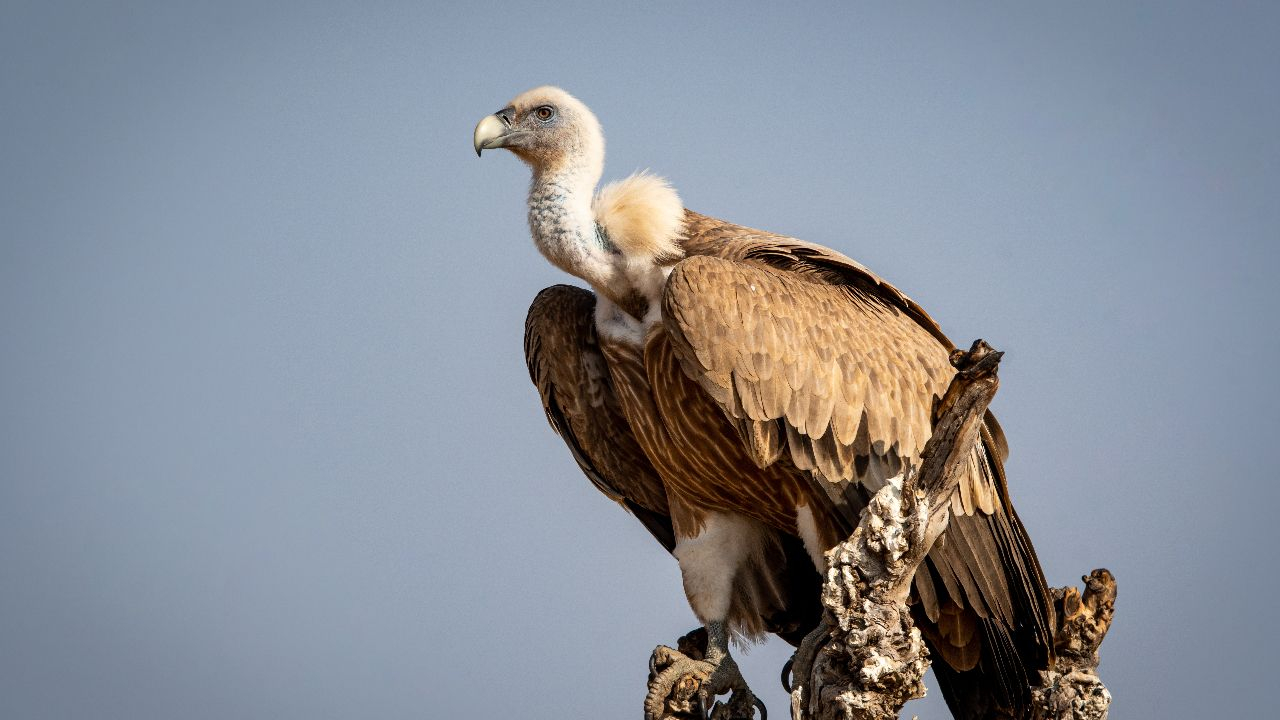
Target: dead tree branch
(873, 660)
(1071, 690)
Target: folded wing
(808, 353)
(577, 393)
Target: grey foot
(686, 688)
(800, 666)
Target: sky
(268, 447)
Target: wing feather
(567, 367)
(724, 315)
(853, 373)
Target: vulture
(743, 394)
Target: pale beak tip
(489, 133)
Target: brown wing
(848, 379)
(693, 448)
(810, 353)
(577, 393)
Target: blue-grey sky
(267, 444)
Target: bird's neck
(564, 227)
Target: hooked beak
(494, 131)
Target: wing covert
(847, 378)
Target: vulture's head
(547, 128)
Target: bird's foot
(683, 687)
(800, 666)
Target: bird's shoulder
(709, 237)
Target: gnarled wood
(1072, 690)
(873, 659)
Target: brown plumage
(741, 391)
(767, 337)
(585, 385)
(567, 367)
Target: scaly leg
(684, 685)
(799, 667)
(816, 541)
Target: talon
(764, 711)
(681, 684)
(800, 666)
(687, 686)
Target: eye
(544, 113)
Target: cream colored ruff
(643, 217)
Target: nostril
(505, 116)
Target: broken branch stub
(1071, 690)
